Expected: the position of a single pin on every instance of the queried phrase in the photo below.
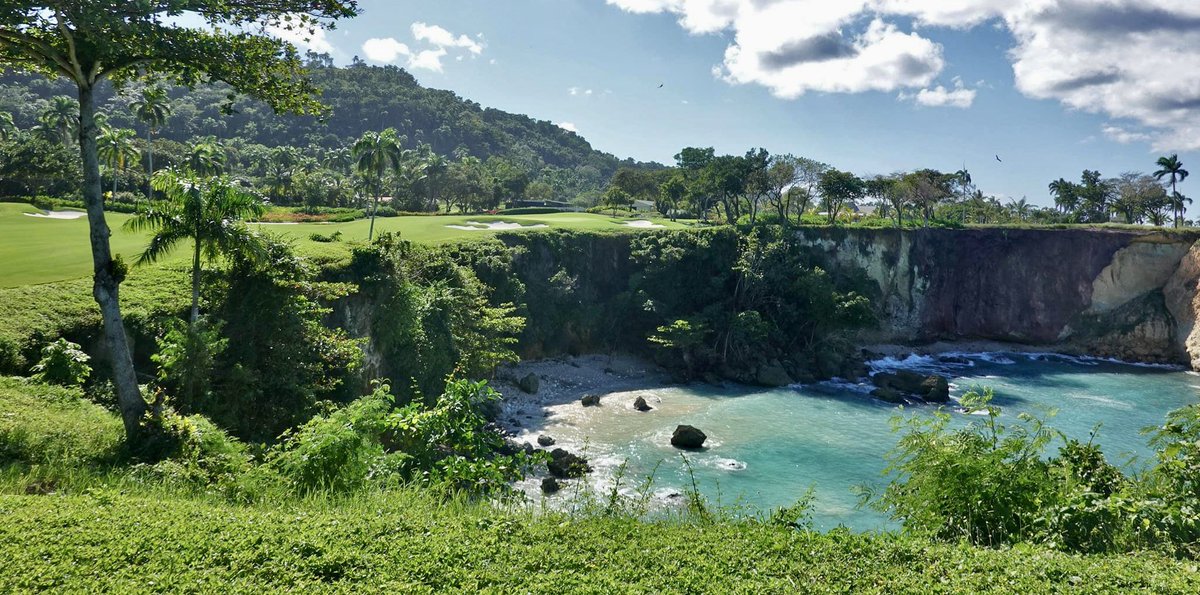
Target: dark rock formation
(529, 384)
(640, 404)
(893, 386)
(565, 465)
(688, 437)
(773, 374)
(545, 440)
(590, 401)
(550, 485)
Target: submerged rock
(640, 404)
(590, 401)
(545, 440)
(529, 384)
(550, 485)
(893, 386)
(688, 437)
(565, 465)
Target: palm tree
(1019, 208)
(375, 154)
(1172, 167)
(206, 158)
(210, 212)
(60, 121)
(7, 127)
(152, 107)
(116, 148)
(1179, 202)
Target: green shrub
(51, 425)
(191, 450)
(386, 212)
(63, 363)
(10, 356)
(186, 356)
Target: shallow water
(767, 448)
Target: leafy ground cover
(105, 532)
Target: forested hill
(361, 98)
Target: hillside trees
(89, 41)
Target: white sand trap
(493, 226)
(642, 223)
(58, 215)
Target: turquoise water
(767, 448)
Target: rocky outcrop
(640, 404)
(893, 387)
(566, 465)
(1121, 293)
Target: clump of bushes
(326, 239)
(993, 484)
(63, 363)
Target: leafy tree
(152, 107)
(670, 193)
(115, 147)
(837, 189)
(1172, 168)
(209, 212)
(615, 198)
(7, 128)
(375, 155)
(1066, 195)
(90, 41)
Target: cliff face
(1122, 294)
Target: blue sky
(527, 56)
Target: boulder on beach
(590, 401)
(529, 384)
(773, 374)
(565, 465)
(545, 440)
(688, 437)
(550, 485)
(640, 404)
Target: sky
(1020, 92)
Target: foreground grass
(108, 532)
(125, 543)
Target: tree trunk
(107, 274)
(196, 281)
(149, 164)
(374, 209)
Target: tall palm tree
(61, 119)
(375, 154)
(206, 158)
(210, 212)
(152, 107)
(1173, 168)
(116, 149)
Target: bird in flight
(999, 159)
(660, 85)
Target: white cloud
(1132, 60)
(443, 39)
(385, 50)
(939, 96)
(577, 91)
(439, 44)
(1124, 136)
(568, 126)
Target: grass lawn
(35, 250)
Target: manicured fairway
(35, 250)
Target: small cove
(766, 448)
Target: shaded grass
(42, 424)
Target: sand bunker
(58, 215)
(643, 224)
(493, 226)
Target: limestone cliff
(1127, 294)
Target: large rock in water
(640, 404)
(893, 386)
(565, 465)
(590, 401)
(529, 384)
(773, 374)
(688, 437)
